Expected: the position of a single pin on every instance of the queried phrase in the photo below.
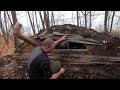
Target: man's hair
(47, 42)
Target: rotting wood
(17, 33)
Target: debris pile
(110, 48)
(73, 29)
(14, 67)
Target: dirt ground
(6, 49)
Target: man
(39, 63)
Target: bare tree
(41, 18)
(105, 21)
(112, 21)
(14, 18)
(5, 17)
(10, 20)
(108, 20)
(85, 13)
(6, 27)
(31, 22)
(52, 19)
(90, 20)
(36, 21)
(2, 28)
(80, 19)
(77, 18)
(46, 19)
(9, 17)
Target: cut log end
(17, 27)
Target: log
(17, 33)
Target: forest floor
(6, 49)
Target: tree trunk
(6, 28)
(9, 18)
(77, 19)
(43, 25)
(80, 20)
(52, 19)
(90, 20)
(85, 15)
(14, 18)
(85, 19)
(36, 21)
(108, 22)
(8, 25)
(112, 21)
(5, 17)
(2, 28)
(46, 19)
(105, 22)
(31, 22)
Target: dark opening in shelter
(70, 45)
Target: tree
(46, 19)
(6, 27)
(36, 21)
(2, 28)
(80, 19)
(77, 19)
(108, 20)
(105, 21)
(52, 19)
(41, 18)
(10, 20)
(90, 20)
(85, 13)
(14, 18)
(112, 21)
(32, 25)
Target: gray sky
(63, 15)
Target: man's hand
(62, 70)
(63, 38)
(57, 75)
(60, 40)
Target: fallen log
(17, 33)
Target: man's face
(51, 48)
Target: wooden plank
(69, 50)
(86, 63)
